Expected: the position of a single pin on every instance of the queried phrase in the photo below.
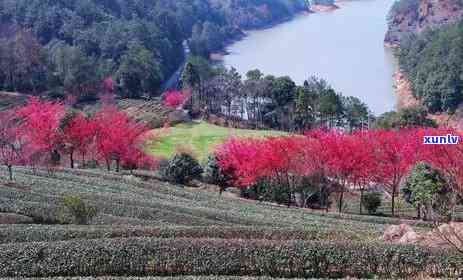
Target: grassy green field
(200, 138)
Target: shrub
(183, 168)
(372, 201)
(214, 174)
(74, 210)
(147, 256)
(91, 164)
(426, 189)
(266, 190)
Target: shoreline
(391, 45)
(217, 56)
(323, 8)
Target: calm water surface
(345, 47)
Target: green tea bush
(182, 169)
(157, 203)
(372, 201)
(161, 257)
(36, 233)
(74, 210)
(162, 278)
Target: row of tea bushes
(160, 187)
(156, 202)
(37, 233)
(185, 277)
(375, 219)
(164, 257)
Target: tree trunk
(393, 200)
(429, 212)
(361, 200)
(71, 158)
(10, 172)
(118, 164)
(289, 199)
(341, 198)
(221, 190)
(108, 165)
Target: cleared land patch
(200, 137)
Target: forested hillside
(414, 16)
(71, 46)
(429, 38)
(433, 63)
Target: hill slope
(71, 46)
(151, 228)
(414, 16)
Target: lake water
(344, 46)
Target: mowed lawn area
(200, 137)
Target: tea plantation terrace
(152, 228)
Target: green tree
(23, 64)
(182, 169)
(425, 188)
(213, 174)
(254, 75)
(283, 94)
(74, 71)
(139, 73)
(356, 113)
(408, 117)
(206, 38)
(191, 77)
(305, 115)
(330, 107)
(371, 201)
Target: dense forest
(69, 47)
(429, 37)
(266, 101)
(433, 62)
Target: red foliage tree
(282, 158)
(346, 158)
(395, 152)
(355, 160)
(77, 136)
(116, 134)
(11, 143)
(278, 159)
(40, 128)
(447, 158)
(241, 158)
(364, 160)
(107, 94)
(174, 99)
(138, 159)
(109, 85)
